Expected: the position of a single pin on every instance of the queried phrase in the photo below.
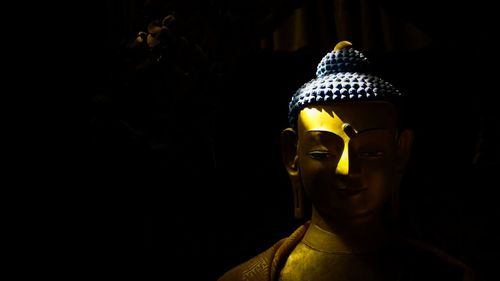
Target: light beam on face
(315, 120)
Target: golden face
(347, 156)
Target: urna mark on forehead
(361, 116)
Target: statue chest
(306, 263)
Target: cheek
(317, 178)
(313, 172)
(379, 179)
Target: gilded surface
(323, 256)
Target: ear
(289, 151)
(405, 141)
(291, 161)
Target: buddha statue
(346, 150)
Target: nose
(343, 164)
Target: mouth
(349, 191)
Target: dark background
(181, 172)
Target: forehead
(360, 115)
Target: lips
(351, 191)
(345, 189)
(349, 188)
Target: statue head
(344, 147)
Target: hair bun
(342, 75)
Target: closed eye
(371, 154)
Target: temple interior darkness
(183, 171)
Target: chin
(349, 213)
(360, 214)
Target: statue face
(347, 157)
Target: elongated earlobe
(395, 204)
(405, 141)
(404, 146)
(290, 160)
(289, 150)
(298, 200)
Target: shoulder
(257, 268)
(429, 262)
(264, 266)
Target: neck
(362, 234)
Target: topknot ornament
(342, 75)
(343, 58)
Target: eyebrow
(372, 129)
(359, 132)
